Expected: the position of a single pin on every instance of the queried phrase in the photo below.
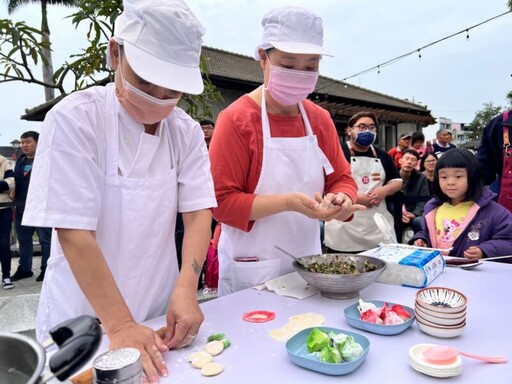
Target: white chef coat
(290, 164)
(129, 195)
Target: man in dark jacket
(207, 126)
(415, 189)
(491, 154)
(22, 172)
(443, 143)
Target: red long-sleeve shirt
(236, 153)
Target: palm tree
(12, 5)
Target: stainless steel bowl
(22, 359)
(340, 286)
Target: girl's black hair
(460, 158)
(417, 136)
(362, 114)
(424, 158)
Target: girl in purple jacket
(464, 216)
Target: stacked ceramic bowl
(441, 312)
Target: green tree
(21, 48)
(481, 119)
(12, 6)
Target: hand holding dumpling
(342, 201)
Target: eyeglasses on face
(364, 127)
(430, 161)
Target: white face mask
(290, 86)
(143, 108)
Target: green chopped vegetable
(330, 355)
(216, 336)
(350, 350)
(339, 267)
(226, 343)
(317, 340)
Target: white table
(254, 357)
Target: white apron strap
(328, 169)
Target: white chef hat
(293, 30)
(162, 42)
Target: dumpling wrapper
(212, 369)
(364, 306)
(200, 358)
(214, 347)
(297, 323)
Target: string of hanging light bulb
(378, 67)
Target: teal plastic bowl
(352, 317)
(299, 354)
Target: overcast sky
(453, 78)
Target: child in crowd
(418, 143)
(463, 216)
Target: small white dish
(441, 299)
(439, 331)
(418, 362)
(432, 312)
(439, 320)
(443, 326)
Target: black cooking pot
(22, 359)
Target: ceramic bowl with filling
(338, 275)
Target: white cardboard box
(408, 266)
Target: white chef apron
(135, 232)
(361, 233)
(294, 164)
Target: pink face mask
(290, 86)
(142, 107)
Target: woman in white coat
(113, 166)
(274, 155)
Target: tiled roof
(227, 69)
(232, 65)
(334, 95)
